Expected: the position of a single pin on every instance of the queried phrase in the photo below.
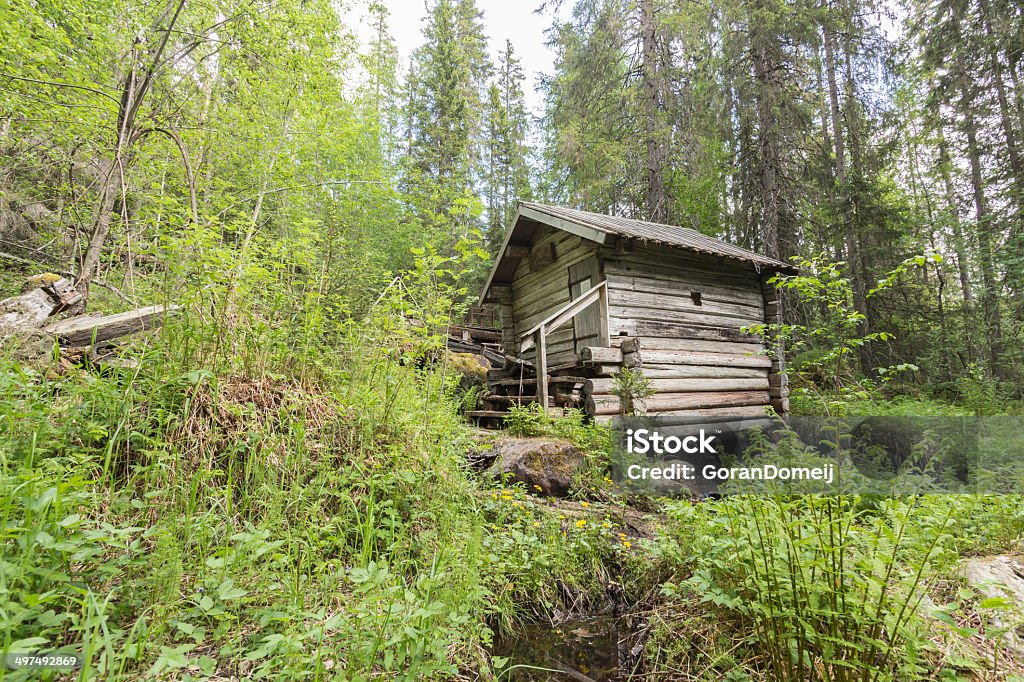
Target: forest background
(861, 133)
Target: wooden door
(587, 329)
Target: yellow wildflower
(581, 523)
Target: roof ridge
(743, 252)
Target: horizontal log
(694, 317)
(682, 285)
(714, 415)
(668, 357)
(680, 424)
(601, 354)
(697, 345)
(661, 402)
(676, 330)
(702, 371)
(658, 263)
(610, 404)
(778, 380)
(692, 385)
(603, 404)
(681, 301)
(781, 405)
(77, 331)
(517, 251)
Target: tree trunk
(764, 52)
(657, 204)
(845, 201)
(990, 292)
(959, 245)
(90, 263)
(1009, 134)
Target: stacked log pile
(685, 378)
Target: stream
(585, 650)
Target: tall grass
(222, 509)
(822, 587)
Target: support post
(542, 368)
(604, 333)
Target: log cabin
(582, 295)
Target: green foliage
(631, 386)
(824, 360)
(528, 419)
(829, 588)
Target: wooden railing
(538, 335)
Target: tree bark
(846, 203)
(990, 291)
(767, 63)
(959, 245)
(657, 203)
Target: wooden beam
(687, 385)
(666, 357)
(564, 225)
(671, 402)
(86, 329)
(560, 317)
(542, 368)
(601, 354)
(517, 251)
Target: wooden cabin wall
(541, 286)
(698, 360)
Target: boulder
(538, 462)
(1001, 577)
(472, 371)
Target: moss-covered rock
(544, 465)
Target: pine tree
(508, 175)
(444, 105)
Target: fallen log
(87, 329)
(28, 311)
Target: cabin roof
(598, 228)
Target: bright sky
(513, 19)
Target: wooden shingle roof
(658, 233)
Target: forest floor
(233, 505)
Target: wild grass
(266, 500)
(822, 587)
